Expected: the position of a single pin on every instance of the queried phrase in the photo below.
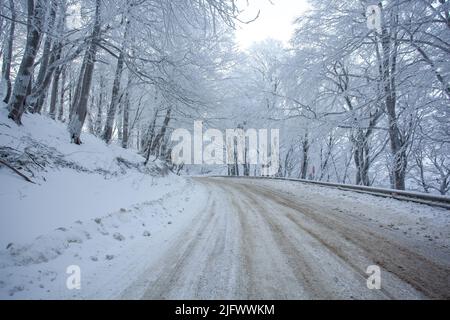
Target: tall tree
(115, 95)
(49, 56)
(80, 106)
(390, 46)
(35, 22)
(7, 56)
(126, 114)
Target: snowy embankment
(94, 206)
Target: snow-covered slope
(88, 206)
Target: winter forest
(353, 105)
(332, 117)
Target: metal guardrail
(424, 198)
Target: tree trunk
(235, 157)
(54, 93)
(90, 124)
(80, 107)
(157, 140)
(399, 160)
(23, 78)
(305, 150)
(61, 95)
(147, 139)
(98, 118)
(7, 57)
(39, 90)
(246, 169)
(125, 133)
(324, 164)
(126, 115)
(107, 132)
(361, 158)
(74, 97)
(56, 56)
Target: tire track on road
(424, 275)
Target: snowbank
(72, 182)
(88, 206)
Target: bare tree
(158, 139)
(49, 56)
(7, 56)
(80, 106)
(62, 91)
(126, 114)
(35, 21)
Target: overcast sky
(275, 20)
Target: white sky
(275, 20)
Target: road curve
(252, 241)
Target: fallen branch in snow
(16, 171)
(32, 159)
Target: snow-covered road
(233, 238)
(281, 240)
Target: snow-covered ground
(86, 208)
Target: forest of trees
(353, 105)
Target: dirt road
(257, 241)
